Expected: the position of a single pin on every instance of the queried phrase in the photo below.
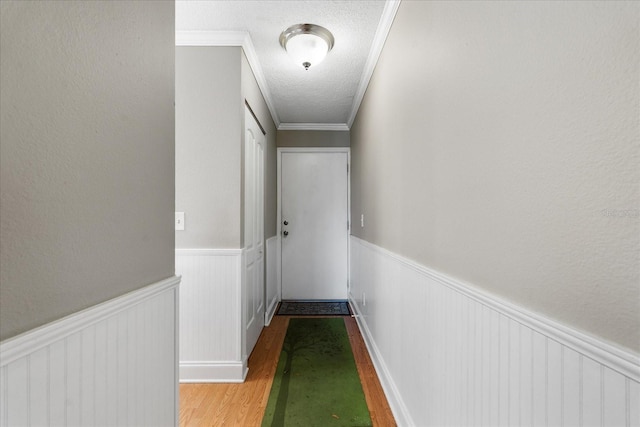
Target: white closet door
(253, 231)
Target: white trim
(31, 341)
(84, 368)
(273, 259)
(279, 220)
(243, 39)
(213, 372)
(252, 59)
(271, 311)
(314, 126)
(208, 252)
(241, 298)
(614, 357)
(233, 38)
(211, 315)
(448, 353)
(176, 353)
(384, 26)
(398, 408)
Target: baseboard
(213, 372)
(85, 368)
(271, 280)
(398, 408)
(271, 311)
(448, 353)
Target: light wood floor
(244, 404)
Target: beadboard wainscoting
(112, 364)
(449, 354)
(272, 290)
(210, 315)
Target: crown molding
(232, 38)
(313, 126)
(242, 38)
(384, 26)
(252, 58)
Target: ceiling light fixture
(307, 43)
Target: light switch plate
(180, 221)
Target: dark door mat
(314, 308)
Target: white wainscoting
(449, 354)
(113, 364)
(210, 315)
(272, 290)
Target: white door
(253, 231)
(314, 203)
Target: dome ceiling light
(308, 44)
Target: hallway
(493, 228)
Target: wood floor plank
(243, 405)
(379, 408)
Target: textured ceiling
(323, 95)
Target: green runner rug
(316, 382)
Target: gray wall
(208, 132)
(313, 138)
(498, 143)
(212, 84)
(252, 94)
(86, 155)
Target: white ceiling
(326, 96)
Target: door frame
(282, 150)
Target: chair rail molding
(449, 353)
(87, 368)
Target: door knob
(286, 233)
(286, 223)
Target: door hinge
(347, 167)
